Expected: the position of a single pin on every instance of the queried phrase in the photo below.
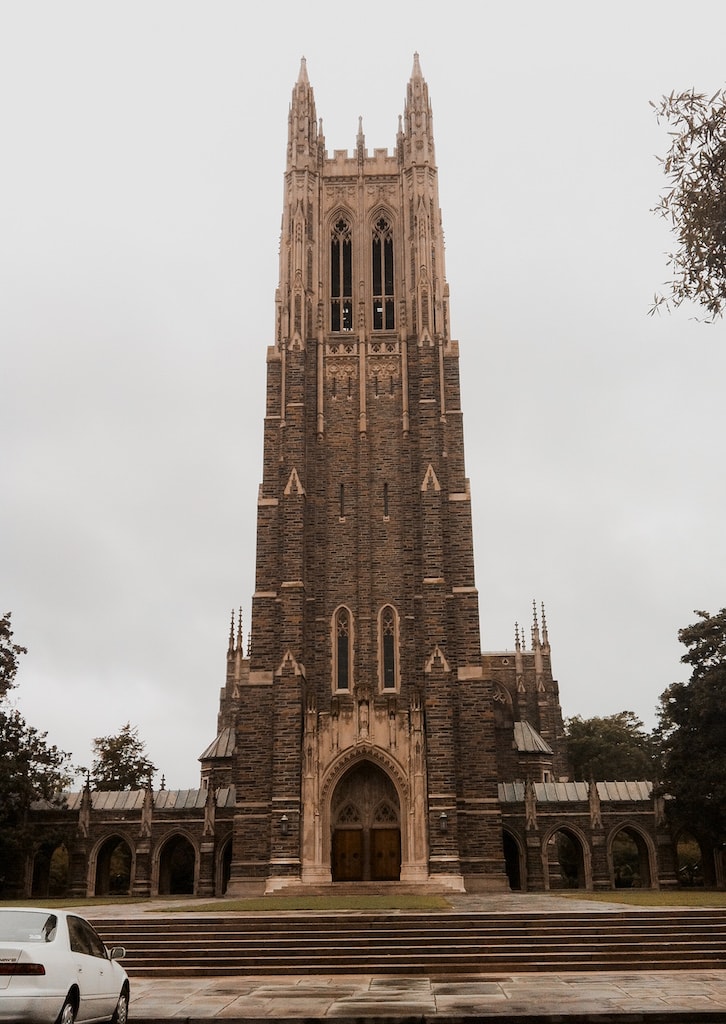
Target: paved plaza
(676, 997)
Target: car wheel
(68, 1013)
(121, 1013)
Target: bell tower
(364, 731)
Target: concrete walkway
(675, 997)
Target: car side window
(95, 944)
(83, 938)
(76, 935)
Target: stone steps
(365, 942)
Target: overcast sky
(143, 148)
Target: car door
(94, 970)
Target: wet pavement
(676, 997)
(673, 996)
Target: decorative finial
(231, 632)
(240, 642)
(535, 626)
(545, 638)
(162, 784)
(517, 643)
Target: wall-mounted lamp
(443, 822)
(284, 824)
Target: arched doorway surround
(384, 737)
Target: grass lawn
(321, 903)
(653, 897)
(269, 903)
(82, 901)
(633, 897)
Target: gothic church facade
(370, 734)
(363, 736)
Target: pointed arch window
(342, 649)
(384, 307)
(388, 648)
(341, 277)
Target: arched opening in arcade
(690, 860)
(365, 817)
(224, 868)
(566, 860)
(513, 861)
(113, 868)
(50, 871)
(629, 860)
(176, 867)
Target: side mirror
(116, 953)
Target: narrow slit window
(341, 510)
(388, 648)
(385, 501)
(342, 649)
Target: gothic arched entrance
(176, 867)
(629, 859)
(113, 868)
(366, 827)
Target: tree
(614, 748)
(692, 729)
(31, 769)
(9, 654)
(695, 201)
(121, 761)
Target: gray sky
(140, 201)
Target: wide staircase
(363, 942)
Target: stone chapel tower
(361, 722)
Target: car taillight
(13, 970)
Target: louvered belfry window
(384, 309)
(341, 278)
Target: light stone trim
(260, 677)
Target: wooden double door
(366, 837)
(366, 855)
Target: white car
(55, 969)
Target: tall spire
(418, 119)
(240, 642)
(360, 142)
(302, 139)
(545, 636)
(535, 627)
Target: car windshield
(27, 926)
